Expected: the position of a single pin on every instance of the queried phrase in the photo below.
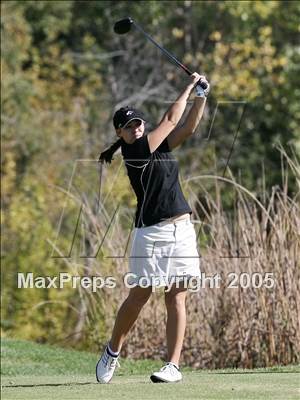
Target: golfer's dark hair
(107, 155)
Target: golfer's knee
(175, 300)
(138, 298)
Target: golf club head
(123, 26)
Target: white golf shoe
(106, 366)
(168, 373)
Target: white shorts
(163, 252)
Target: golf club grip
(202, 84)
(182, 66)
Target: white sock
(112, 353)
(175, 365)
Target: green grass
(21, 358)
(32, 371)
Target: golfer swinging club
(164, 238)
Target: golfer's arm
(180, 133)
(169, 120)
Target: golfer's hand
(202, 87)
(195, 77)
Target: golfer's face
(134, 130)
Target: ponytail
(107, 155)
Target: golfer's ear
(118, 132)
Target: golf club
(124, 25)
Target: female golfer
(164, 251)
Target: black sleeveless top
(154, 179)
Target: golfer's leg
(176, 322)
(128, 314)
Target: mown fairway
(31, 371)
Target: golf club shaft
(123, 26)
(163, 49)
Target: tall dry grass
(226, 327)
